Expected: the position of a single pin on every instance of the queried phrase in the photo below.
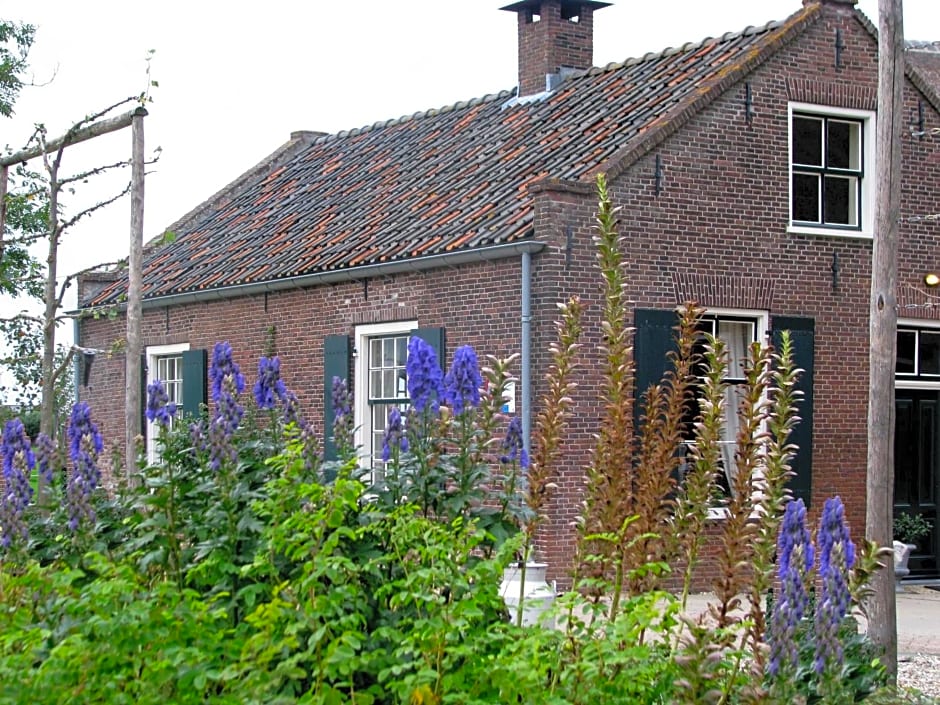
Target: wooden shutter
(654, 339)
(336, 350)
(802, 333)
(435, 338)
(195, 387)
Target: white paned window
(164, 363)
(380, 385)
(738, 330)
(831, 152)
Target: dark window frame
(822, 171)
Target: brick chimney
(554, 36)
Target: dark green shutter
(802, 333)
(435, 338)
(335, 364)
(194, 382)
(654, 339)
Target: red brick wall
(478, 304)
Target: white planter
(902, 553)
(536, 594)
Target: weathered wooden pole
(132, 400)
(95, 129)
(882, 609)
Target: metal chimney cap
(570, 5)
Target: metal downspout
(526, 372)
(76, 360)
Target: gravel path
(920, 671)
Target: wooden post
(882, 609)
(95, 129)
(132, 400)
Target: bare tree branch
(91, 209)
(64, 365)
(81, 176)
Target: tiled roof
(444, 180)
(925, 57)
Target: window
(655, 339)
(829, 155)
(737, 333)
(164, 363)
(918, 353)
(380, 384)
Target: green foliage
(911, 528)
(15, 42)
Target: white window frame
(762, 325)
(361, 415)
(913, 380)
(869, 169)
(153, 352)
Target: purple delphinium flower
(794, 563)
(290, 405)
(269, 389)
(160, 409)
(227, 383)
(85, 445)
(222, 368)
(18, 463)
(395, 438)
(513, 448)
(462, 383)
(45, 454)
(342, 413)
(424, 375)
(197, 436)
(836, 558)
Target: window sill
(717, 513)
(829, 232)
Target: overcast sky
(236, 78)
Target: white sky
(236, 78)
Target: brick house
(744, 168)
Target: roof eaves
(333, 276)
(671, 122)
(925, 86)
(911, 70)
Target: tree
(15, 42)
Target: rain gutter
(416, 264)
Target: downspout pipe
(526, 372)
(76, 360)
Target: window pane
(841, 203)
(843, 149)
(737, 336)
(807, 141)
(388, 352)
(929, 353)
(907, 345)
(375, 353)
(388, 383)
(806, 197)
(375, 384)
(401, 354)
